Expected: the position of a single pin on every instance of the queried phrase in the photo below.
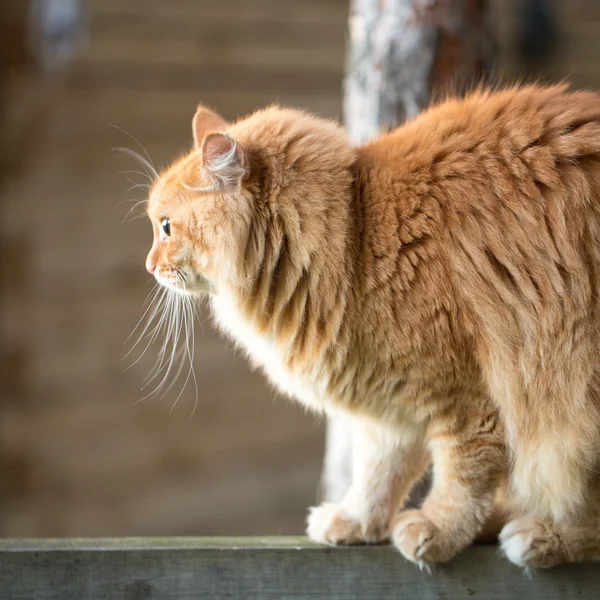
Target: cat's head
(250, 207)
(200, 210)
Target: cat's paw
(529, 542)
(420, 540)
(333, 524)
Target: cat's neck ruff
(307, 384)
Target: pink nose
(150, 267)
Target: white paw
(333, 524)
(514, 544)
(528, 542)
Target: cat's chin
(199, 289)
(200, 286)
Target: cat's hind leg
(550, 406)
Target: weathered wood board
(264, 569)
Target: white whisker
(152, 334)
(136, 185)
(173, 325)
(181, 354)
(190, 357)
(165, 319)
(174, 341)
(130, 200)
(142, 215)
(171, 314)
(141, 173)
(151, 171)
(132, 209)
(149, 301)
(149, 161)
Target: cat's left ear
(205, 121)
(224, 162)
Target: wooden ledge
(265, 569)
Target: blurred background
(78, 455)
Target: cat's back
(535, 127)
(497, 193)
(527, 149)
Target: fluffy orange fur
(439, 284)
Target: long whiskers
(152, 335)
(129, 219)
(140, 173)
(149, 302)
(149, 170)
(188, 318)
(145, 162)
(169, 314)
(172, 336)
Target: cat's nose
(150, 267)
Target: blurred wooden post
(35, 37)
(400, 52)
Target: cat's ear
(224, 161)
(206, 121)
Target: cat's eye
(166, 226)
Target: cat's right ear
(206, 121)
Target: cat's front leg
(385, 465)
(469, 461)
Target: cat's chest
(308, 387)
(357, 385)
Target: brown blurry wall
(78, 455)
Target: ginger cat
(439, 284)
